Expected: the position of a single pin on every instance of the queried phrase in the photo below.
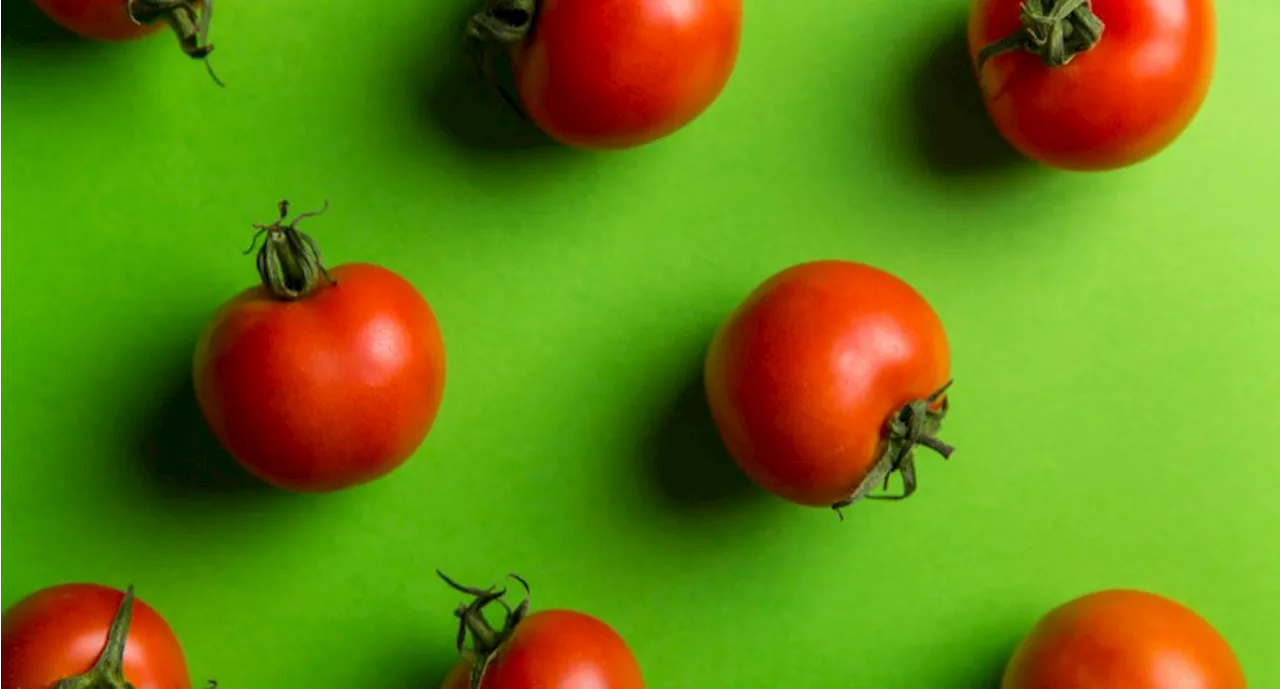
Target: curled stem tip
(190, 21)
(1055, 30)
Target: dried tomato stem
(485, 640)
(108, 671)
(500, 24)
(289, 262)
(915, 424)
(1055, 30)
(189, 20)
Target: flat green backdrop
(1114, 337)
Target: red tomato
(81, 631)
(551, 649)
(826, 378)
(1081, 108)
(317, 380)
(1123, 640)
(128, 20)
(617, 74)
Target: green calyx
(1055, 30)
(189, 19)
(498, 25)
(915, 424)
(485, 640)
(108, 671)
(289, 261)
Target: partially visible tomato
(128, 20)
(93, 636)
(551, 649)
(317, 380)
(616, 74)
(826, 378)
(1092, 84)
(1123, 639)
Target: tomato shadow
(685, 461)
(949, 129)
(24, 27)
(184, 461)
(971, 666)
(459, 106)
(420, 666)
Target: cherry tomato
(824, 380)
(551, 649)
(1123, 640)
(89, 632)
(317, 380)
(1122, 84)
(128, 20)
(618, 74)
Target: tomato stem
(1056, 30)
(188, 21)
(500, 23)
(915, 424)
(288, 261)
(485, 640)
(108, 671)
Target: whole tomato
(318, 380)
(128, 20)
(87, 636)
(1092, 85)
(549, 649)
(826, 378)
(616, 74)
(1123, 640)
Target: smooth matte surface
(1114, 340)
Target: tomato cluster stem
(288, 261)
(1055, 30)
(485, 640)
(189, 19)
(108, 671)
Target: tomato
(128, 20)
(87, 632)
(317, 380)
(550, 649)
(617, 74)
(826, 378)
(1123, 640)
(1123, 84)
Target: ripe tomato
(551, 649)
(128, 20)
(317, 380)
(1078, 107)
(87, 632)
(826, 378)
(1123, 640)
(617, 74)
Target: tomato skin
(621, 73)
(1122, 639)
(557, 649)
(60, 631)
(326, 392)
(102, 20)
(803, 376)
(1120, 103)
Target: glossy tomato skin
(557, 649)
(804, 375)
(1123, 639)
(326, 392)
(102, 20)
(618, 74)
(60, 631)
(1120, 103)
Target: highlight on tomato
(88, 636)
(1123, 639)
(548, 648)
(128, 20)
(1092, 84)
(610, 75)
(319, 379)
(825, 381)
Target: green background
(1114, 340)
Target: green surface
(1114, 341)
